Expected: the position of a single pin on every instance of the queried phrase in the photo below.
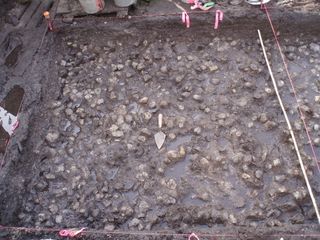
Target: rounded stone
(52, 136)
(144, 100)
(197, 130)
(58, 219)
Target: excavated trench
(227, 165)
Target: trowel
(160, 137)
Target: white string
(314, 202)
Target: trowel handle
(160, 118)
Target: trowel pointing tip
(160, 137)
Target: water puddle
(239, 187)
(183, 140)
(179, 170)
(265, 137)
(192, 200)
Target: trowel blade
(159, 137)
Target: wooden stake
(314, 202)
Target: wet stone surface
(227, 159)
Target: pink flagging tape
(15, 126)
(302, 117)
(183, 17)
(186, 19)
(103, 232)
(196, 5)
(70, 232)
(219, 18)
(193, 236)
(99, 5)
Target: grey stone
(152, 104)
(190, 58)
(242, 102)
(198, 98)
(235, 2)
(100, 101)
(52, 136)
(263, 118)
(126, 211)
(49, 176)
(179, 79)
(42, 217)
(63, 63)
(117, 134)
(146, 132)
(213, 68)
(233, 219)
(297, 219)
(142, 139)
(166, 199)
(276, 162)
(144, 100)
(300, 194)
(174, 156)
(215, 81)
(280, 178)
(109, 227)
(53, 208)
(258, 174)
(144, 206)
(58, 219)
(197, 130)
(134, 223)
(164, 69)
(128, 118)
(315, 47)
(95, 212)
(239, 202)
(163, 103)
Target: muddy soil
(228, 161)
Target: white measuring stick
(314, 202)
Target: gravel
(227, 159)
